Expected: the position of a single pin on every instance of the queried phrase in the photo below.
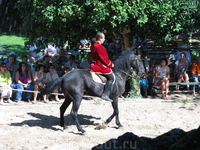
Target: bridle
(136, 76)
(129, 75)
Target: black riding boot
(106, 92)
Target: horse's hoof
(120, 127)
(65, 127)
(105, 123)
(84, 133)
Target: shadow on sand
(49, 122)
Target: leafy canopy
(75, 19)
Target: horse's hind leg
(115, 113)
(63, 108)
(75, 107)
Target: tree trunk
(125, 35)
(127, 43)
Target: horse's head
(127, 60)
(137, 64)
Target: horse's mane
(122, 62)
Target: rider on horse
(102, 65)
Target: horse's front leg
(63, 108)
(115, 113)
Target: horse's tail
(51, 87)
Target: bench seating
(185, 83)
(193, 84)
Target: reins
(136, 76)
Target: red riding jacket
(100, 61)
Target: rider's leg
(107, 88)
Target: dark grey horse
(78, 82)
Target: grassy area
(15, 43)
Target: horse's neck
(122, 75)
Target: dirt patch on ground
(26, 126)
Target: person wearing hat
(10, 66)
(16, 62)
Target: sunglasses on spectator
(3, 66)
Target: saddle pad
(96, 78)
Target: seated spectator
(152, 66)
(66, 70)
(5, 83)
(34, 50)
(181, 67)
(50, 77)
(140, 43)
(39, 78)
(151, 74)
(71, 63)
(171, 66)
(66, 45)
(111, 54)
(184, 46)
(10, 66)
(25, 59)
(46, 63)
(85, 43)
(85, 64)
(146, 67)
(60, 65)
(167, 56)
(196, 72)
(187, 55)
(16, 62)
(118, 47)
(52, 50)
(23, 81)
(162, 75)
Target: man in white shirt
(33, 56)
(52, 50)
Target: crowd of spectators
(37, 70)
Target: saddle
(100, 78)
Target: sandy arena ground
(26, 126)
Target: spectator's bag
(144, 83)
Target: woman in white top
(39, 78)
(50, 77)
(162, 75)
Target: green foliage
(196, 53)
(75, 19)
(134, 91)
